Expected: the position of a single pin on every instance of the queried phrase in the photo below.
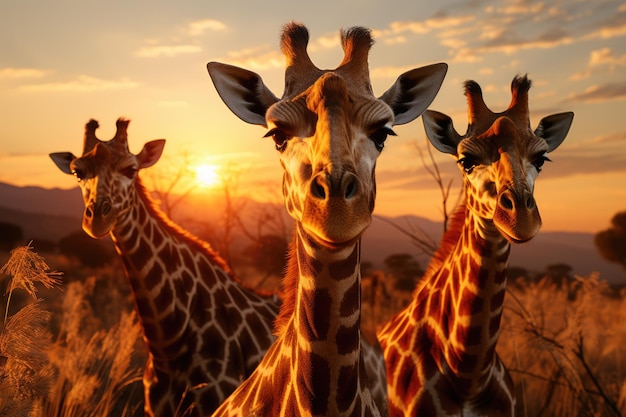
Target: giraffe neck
(162, 263)
(315, 367)
(327, 323)
(466, 294)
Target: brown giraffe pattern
(440, 351)
(205, 332)
(328, 129)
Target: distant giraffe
(440, 350)
(328, 129)
(205, 331)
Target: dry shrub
(563, 344)
(84, 372)
(94, 367)
(25, 374)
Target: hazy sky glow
(62, 63)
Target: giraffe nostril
(505, 201)
(89, 212)
(351, 187)
(530, 202)
(318, 188)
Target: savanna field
(71, 345)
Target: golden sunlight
(207, 175)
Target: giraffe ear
(553, 129)
(414, 91)
(440, 131)
(63, 160)
(242, 91)
(150, 153)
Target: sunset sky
(64, 62)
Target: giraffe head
(106, 173)
(328, 128)
(500, 157)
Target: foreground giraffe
(440, 351)
(204, 331)
(328, 129)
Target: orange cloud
(83, 83)
(20, 73)
(167, 50)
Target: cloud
(611, 27)
(518, 8)
(585, 161)
(599, 93)
(169, 51)
(257, 58)
(509, 43)
(392, 71)
(605, 57)
(199, 27)
(21, 73)
(441, 21)
(609, 139)
(83, 83)
(601, 61)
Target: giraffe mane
(155, 212)
(448, 242)
(288, 291)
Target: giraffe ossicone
(328, 129)
(440, 351)
(204, 330)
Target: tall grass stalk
(26, 269)
(25, 373)
(86, 371)
(94, 368)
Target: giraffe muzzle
(336, 211)
(517, 216)
(343, 186)
(98, 219)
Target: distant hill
(54, 213)
(54, 201)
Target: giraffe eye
(78, 174)
(539, 160)
(379, 136)
(280, 138)
(468, 162)
(129, 172)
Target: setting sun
(207, 175)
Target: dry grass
(84, 371)
(563, 343)
(80, 353)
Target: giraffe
(204, 330)
(440, 350)
(328, 129)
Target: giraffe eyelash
(539, 160)
(468, 163)
(280, 138)
(78, 174)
